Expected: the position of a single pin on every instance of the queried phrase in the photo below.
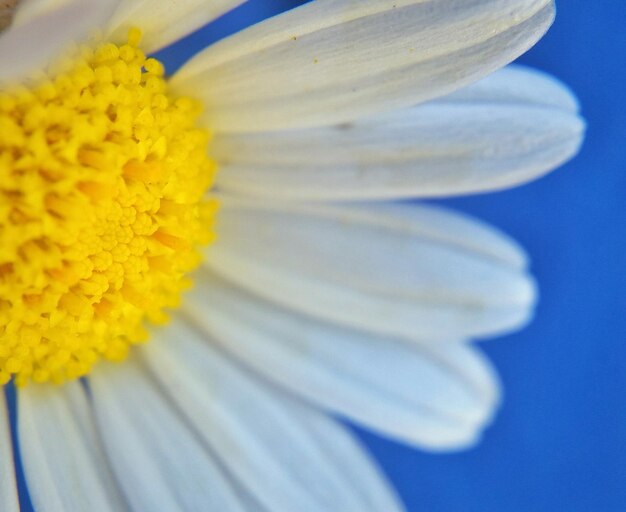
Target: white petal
(64, 465)
(411, 392)
(163, 22)
(43, 28)
(518, 84)
(285, 455)
(8, 489)
(477, 142)
(385, 270)
(141, 429)
(332, 61)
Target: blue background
(559, 441)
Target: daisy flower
(271, 164)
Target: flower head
(110, 197)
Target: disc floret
(102, 180)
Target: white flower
(318, 296)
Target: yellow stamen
(102, 178)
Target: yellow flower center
(102, 179)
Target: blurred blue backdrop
(559, 442)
